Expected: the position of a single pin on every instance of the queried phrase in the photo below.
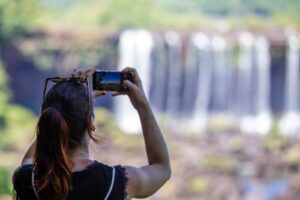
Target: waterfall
(245, 81)
(135, 48)
(158, 76)
(200, 112)
(190, 79)
(174, 74)
(221, 76)
(289, 123)
(193, 81)
(263, 119)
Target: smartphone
(110, 80)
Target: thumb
(98, 93)
(129, 84)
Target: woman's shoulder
(23, 168)
(22, 182)
(22, 171)
(22, 175)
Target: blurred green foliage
(218, 163)
(197, 186)
(21, 15)
(177, 13)
(16, 16)
(16, 122)
(65, 53)
(275, 140)
(5, 181)
(105, 17)
(4, 95)
(18, 128)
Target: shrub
(5, 181)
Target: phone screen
(111, 80)
(107, 80)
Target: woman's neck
(81, 156)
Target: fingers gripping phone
(111, 80)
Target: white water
(158, 74)
(200, 112)
(221, 76)
(245, 95)
(194, 83)
(174, 71)
(263, 119)
(289, 123)
(134, 49)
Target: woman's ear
(91, 125)
(91, 129)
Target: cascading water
(289, 123)
(221, 76)
(245, 83)
(190, 80)
(200, 112)
(158, 76)
(194, 82)
(135, 49)
(174, 74)
(263, 119)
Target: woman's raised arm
(144, 181)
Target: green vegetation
(16, 122)
(4, 96)
(18, 127)
(275, 140)
(16, 16)
(176, 13)
(86, 21)
(218, 163)
(79, 49)
(5, 181)
(197, 186)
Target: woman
(58, 164)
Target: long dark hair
(60, 129)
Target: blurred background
(222, 77)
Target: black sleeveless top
(93, 182)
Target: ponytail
(52, 164)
